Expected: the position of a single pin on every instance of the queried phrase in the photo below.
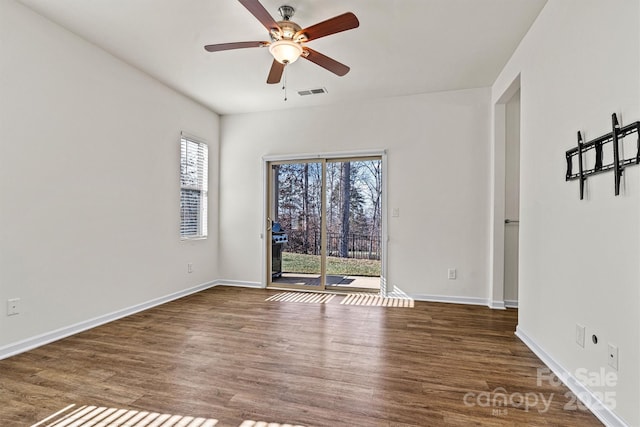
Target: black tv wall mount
(598, 144)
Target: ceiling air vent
(312, 91)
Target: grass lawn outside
(302, 263)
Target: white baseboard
(55, 335)
(595, 405)
(503, 304)
(239, 283)
(46, 338)
(497, 305)
(449, 299)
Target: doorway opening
(512, 200)
(324, 224)
(505, 195)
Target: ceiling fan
(288, 39)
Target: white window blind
(194, 165)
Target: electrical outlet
(580, 335)
(612, 356)
(190, 268)
(13, 306)
(451, 274)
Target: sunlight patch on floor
(101, 416)
(306, 297)
(85, 416)
(376, 300)
(249, 423)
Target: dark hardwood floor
(227, 354)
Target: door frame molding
(266, 160)
(497, 216)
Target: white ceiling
(402, 47)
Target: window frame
(194, 179)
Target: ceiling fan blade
(236, 45)
(346, 21)
(275, 74)
(326, 62)
(261, 14)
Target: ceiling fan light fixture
(285, 51)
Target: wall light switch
(395, 212)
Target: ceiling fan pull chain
(284, 82)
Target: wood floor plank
(228, 354)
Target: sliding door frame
(321, 157)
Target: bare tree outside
(345, 193)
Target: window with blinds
(194, 165)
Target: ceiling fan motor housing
(288, 30)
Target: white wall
(89, 181)
(438, 162)
(579, 259)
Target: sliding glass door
(353, 216)
(324, 224)
(295, 223)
